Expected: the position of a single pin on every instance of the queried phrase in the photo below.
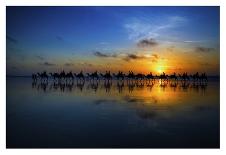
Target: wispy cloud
(100, 54)
(147, 43)
(104, 55)
(193, 41)
(68, 64)
(59, 38)
(133, 57)
(146, 28)
(85, 64)
(130, 57)
(155, 56)
(205, 64)
(170, 48)
(203, 49)
(40, 57)
(104, 43)
(48, 64)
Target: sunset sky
(142, 39)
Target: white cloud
(104, 43)
(193, 41)
(147, 28)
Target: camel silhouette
(199, 78)
(69, 76)
(119, 76)
(150, 77)
(55, 76)
(107, 76)
(184, 76)
(43, 76)
(130, 76)
(62, 75)
(34, 77)
(80, 76)
(203, 77)
(93, 76)
(173, 77)
(163, 77)
(140, 76)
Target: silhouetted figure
(69, 77)
(173, 77)
(34, 77)
(163, 77)
(139, 77)
(130, 76)
(195, 77)
(203, 77)
(93, 76)
(80, 76)
(150, 77)
(55, 76)
(43, 76)
(64, 80)
(107, 76)
(62, 76)
(119, 76)
(184, 77)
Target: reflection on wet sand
(120, 86)
(152, 113)
(150, 99)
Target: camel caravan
(121, 82)
(120, 76)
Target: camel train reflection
(71, 81)
(95, 76)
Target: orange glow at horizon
(178, 61)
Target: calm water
(113, 115)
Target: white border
(113, 2)
(4, 3)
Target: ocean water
(112, 115)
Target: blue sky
(60, 35)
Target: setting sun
(159, 69)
